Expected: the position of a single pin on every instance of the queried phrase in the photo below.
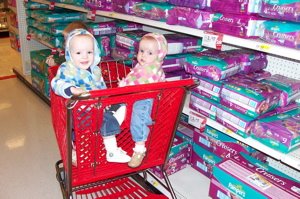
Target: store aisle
(9, 58)
(28, 146)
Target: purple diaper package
(248, 178)
(198, 4)
(129, 39)
(124, 6)
(281, 33)
(180, 43)
(251, 61)
(234, 6)
(289, 87)
(281, 132)
(190, 17)
(244, 26)
(173, 62)
(154, 11)
(249, 96)
(203, 105)
(213, 64)
(238, 123)
(123, 26)
(286, 10)
(257, 75)
(102, 28)
(208, 88)
(177, 75)
(105, 5)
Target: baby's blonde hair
(72, 26)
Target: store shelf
(26, 79)
(258, 45)
(185, 186)
(292, 159)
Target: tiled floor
(27, 142)
(9, 58)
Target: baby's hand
(76, 91)
(50, 61)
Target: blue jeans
(110, 125)
(141, 119)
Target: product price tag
(28, 37)
(52, 5)
(212, 40)
(91, 15)
(197, 120)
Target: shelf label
(197, 120)
(212, 40)
(264, 47)
(28, 37)
(91, 15)
(51, 5)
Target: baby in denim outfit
(80, 73)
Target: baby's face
(82, 51)
(148, 52)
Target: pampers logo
(209, 159)
(238, 189)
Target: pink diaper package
(244, 26)
(289, 87)
(286, 10)
(281, 131)
(105, 5)
(249, 96)
(124, 6)
(190, 17)
(129, 39)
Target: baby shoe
(118, 156)
(136, 159)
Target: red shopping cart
(94, 177)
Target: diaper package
(55, 16)
(244, 26)
(105, 5)
(198, 4)
(289, 87)
(124, 6)
(179, 43)
(123, 26)
(154, 11)
(190, 17)
(247, 178)
(234, 6)
(173, 62)
(287, 10)
(281, 33)
(213, 64)
(208, 88)
(236, 122)
(249, 96)
(281, 132)
(203, 105)
(102, 28)
(104, 44)
(129, 39)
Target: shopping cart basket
(82, 115)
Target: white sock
(140, 148)
(120, 114)
(110, 143)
